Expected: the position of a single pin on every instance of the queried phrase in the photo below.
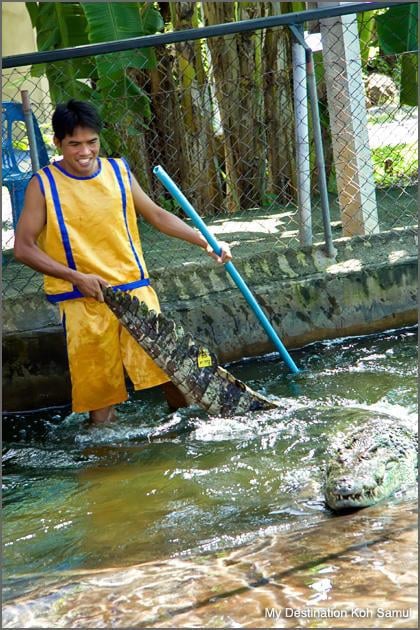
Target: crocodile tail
(189, 364)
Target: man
(79, 228)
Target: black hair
(68, 116)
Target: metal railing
(275, 142)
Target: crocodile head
(368, 467)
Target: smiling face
(80, 151)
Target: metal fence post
(27, 112)
(319, 149)
(303, 172)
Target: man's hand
(90, 285)
(225, 254)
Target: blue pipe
(170, 185)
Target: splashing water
(164, 489)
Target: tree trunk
(252, 100)
(200, 168)
(239, 103)
(278, 101)
(314, 26)
(164, 137)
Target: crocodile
(190, 365)
(370, 464)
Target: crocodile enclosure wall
(369, 286)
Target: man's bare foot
(103, 416)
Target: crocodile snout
(345, 487)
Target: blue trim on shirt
(41, 183)
(72, 295)
(63, 229)
(63, 170)
(118, 175)
(128, 169)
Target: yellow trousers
(100, 349)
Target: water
(97, 520)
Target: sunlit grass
(394, 164)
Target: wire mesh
(220, 115)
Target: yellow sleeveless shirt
(91, 227)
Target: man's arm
(172, 225)
(26, 250)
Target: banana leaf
(397, 34)
(60, 25)
(110, 21)
(104, 79)
(397, 29)
(127, 94)
(64, 83)
(366, 25)
(409, 79)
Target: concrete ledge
(368, 287)
(35, 370)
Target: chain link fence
(228, 117)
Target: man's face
(80, 151)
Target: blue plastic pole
(170, 185)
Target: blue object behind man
(16, 163)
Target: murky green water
(80, 501)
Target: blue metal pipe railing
(170, 185)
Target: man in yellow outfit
(79, 228)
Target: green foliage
(104, 79)
(58, 24)
(169, 204)
(397, 34)
(6, 225)
(270, 201)
(397, 29)
(390, 66)
(409, 79)
(366, 26)
(111, 21)
(391, 164)
(392, 35)
(379, 118)
(62, 25)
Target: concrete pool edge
(370, 286)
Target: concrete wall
(17, 33)
(370, 286)
(19, 37)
